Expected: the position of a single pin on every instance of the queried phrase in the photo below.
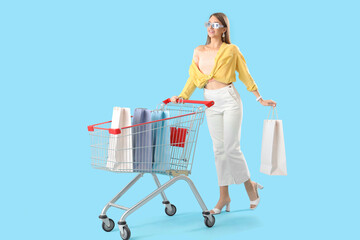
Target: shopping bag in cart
(142, 140)
(161, 141)
(120, 145)
(273, 159)
(178, 136)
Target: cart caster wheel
(172, 211)
(208, 223)
(126, 235)
(108, 228)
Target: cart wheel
(208, 223)
(108, 228)
(126, 235)
(172, 211)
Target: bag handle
(274, 110)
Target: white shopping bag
(273, 159)
(120, 157)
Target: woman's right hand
(174, 98)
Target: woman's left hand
(268, 103)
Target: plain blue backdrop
(65, 64)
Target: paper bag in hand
(273, 159)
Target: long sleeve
(189, 86)
(243, 71)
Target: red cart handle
(207, 103)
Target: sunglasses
(214, 25)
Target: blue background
(65, 64)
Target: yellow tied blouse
(227, 60)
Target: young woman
(213, 69)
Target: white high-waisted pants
(224, 122)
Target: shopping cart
(165, 145)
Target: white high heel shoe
(256, 201)
(218, 211)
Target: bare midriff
(214, 84)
